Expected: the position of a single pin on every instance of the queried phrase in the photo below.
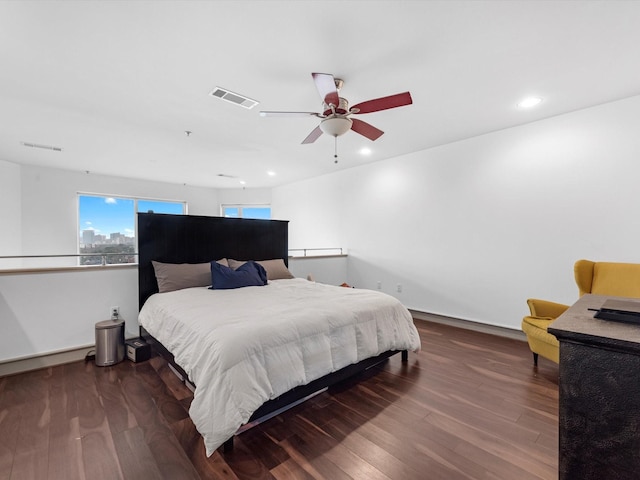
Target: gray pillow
(235, 264)
(276, 269)
(176, 276)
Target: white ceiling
(116, 84)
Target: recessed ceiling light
(242, 182)
(529, 102)
(271, 173)
(365, 151)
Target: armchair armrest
(545, 308)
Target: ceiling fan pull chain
(335, 154)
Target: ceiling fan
(336, 110)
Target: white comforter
(245, 346)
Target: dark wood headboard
(195, 239)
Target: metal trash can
(109, 342)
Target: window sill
(13, 271)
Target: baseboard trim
(469, 325)
(26, 364)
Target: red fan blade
(384, 103)
(313, 136)
(366, 130)
(326, 86)
(288, 114)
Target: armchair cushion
(540, 341)
(536, 327)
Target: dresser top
(578, 325)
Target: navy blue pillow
(251, 274)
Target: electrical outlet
(399, 288)
(115, 312)
(379, 285)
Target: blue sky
(106, 215)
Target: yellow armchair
(602, 278)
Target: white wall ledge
(306, 257)
(78, 268)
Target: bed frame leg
(405, 356)
(227, 447)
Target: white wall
(55, 311)
(10, 218)
(329, 270)
(315, 211)
(246, 196)
(474, 228)
(50, 205)
(48, 312)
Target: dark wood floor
(469, 406)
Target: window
(262, 212)
(107, 226)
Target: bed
(253, 350)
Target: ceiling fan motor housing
(341, 109)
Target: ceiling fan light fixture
(335, 126)
(336, 111)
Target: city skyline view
(106, 226)
(107, 215)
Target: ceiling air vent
(38, 145)
(232, 97)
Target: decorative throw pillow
(250, 274)
(176, 276)
(276, 269)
